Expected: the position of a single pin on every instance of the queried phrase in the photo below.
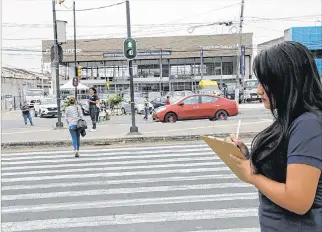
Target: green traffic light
(130, 52)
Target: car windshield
(48, 101)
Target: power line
(94, 8)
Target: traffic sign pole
(134, 129)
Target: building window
(227, 68)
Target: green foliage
(66, 104)
(115, 100)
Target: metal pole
(161, 72)
(75, 45)
(59, 124)
(239, 51)
(134, 128)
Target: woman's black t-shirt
(304, 146)
(93, 97)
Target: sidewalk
(118, 133)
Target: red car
(199, 106)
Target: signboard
(242, 62)
(139, 53)
(75, 81)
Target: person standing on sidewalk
(146, 108)
(93, 109)
(167, 101)
(26, 113)
(73, 113)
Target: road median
(128, 139)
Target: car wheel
(171, 117)
(123, 111)
(221, 115)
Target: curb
(128, 139)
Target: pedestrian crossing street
(177, 188)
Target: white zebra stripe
(130, 202)
(110, 163)
(104, 169)
(85, 157)
(77, 176)
(128, 219)
(105, 191)
(119, 182)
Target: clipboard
(223, 150)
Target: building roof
(18, 73)
(179, 47)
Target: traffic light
(130, 51)
(78, 71)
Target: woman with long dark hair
(285, 162)
(93, 108)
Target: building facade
(309, 36)
(162, 64)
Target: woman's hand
(246, 168)
(243, 148)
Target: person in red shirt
(167, 101)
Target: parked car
(85, 106)
(160, 101)
(46, 107)
(139, 107)
(179, 93)
(199, 106)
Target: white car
(46, 107)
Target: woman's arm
(298, 194)
(304, 165)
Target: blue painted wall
(310, 37)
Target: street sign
(107, 84)
(129, 49)
(75, 81)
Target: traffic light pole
(59, 124)
(134, 129)
(75, 57)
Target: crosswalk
(174, 188)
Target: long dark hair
(289, 76)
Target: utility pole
(75, 57)
(239, 51)
(59, 124)
(134, 129)
(161, 73)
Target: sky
(26, 22)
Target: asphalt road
(15, 121)
(176, 188)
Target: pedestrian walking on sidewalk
(167, 101)
(93, 102)
(285, 162)
(26, 113)
(73, 114)
(146, 108)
